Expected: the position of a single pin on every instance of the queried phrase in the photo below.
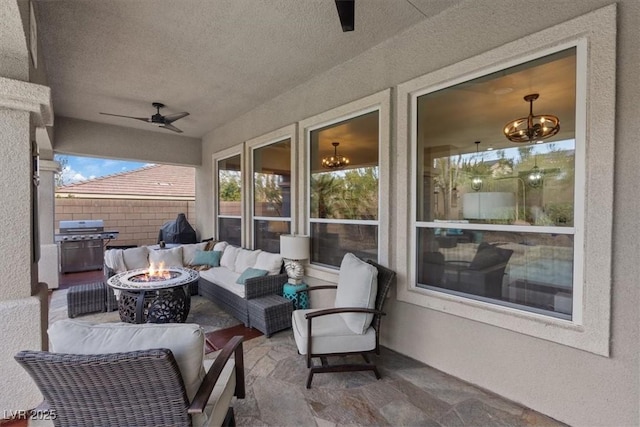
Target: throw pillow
(250, 273)
(211, 258)
(189, 251)
(170, 257)
(228, 259)
(270, 262)
(246, 258)
(135, 258)
(357, 287)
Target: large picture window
(495, 213)
(344, 189)
(230, 199)
(271, 194)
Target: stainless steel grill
(82, 244)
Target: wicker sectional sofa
(218, 283)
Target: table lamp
(294, 248)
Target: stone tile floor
(409, 393)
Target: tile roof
(165, 181)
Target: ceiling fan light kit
(157, 119)
(533, 127)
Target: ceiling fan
(158, 119)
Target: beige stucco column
(48, 263)
(23, 302)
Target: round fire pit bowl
(154, 299)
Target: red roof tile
(155, 181)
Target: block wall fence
(138, 221)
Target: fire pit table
(145, 296)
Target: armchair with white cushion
(130, 374)
(352, 326)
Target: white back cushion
(220, 246)
(136, 257)
(170, 257)
(189, 252)
(357, 287)
(229, 255)
(186, 342)
(246, 258)
(269, 261)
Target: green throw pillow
(211, 258)
(250, 273)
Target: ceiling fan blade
(171, 127)
(144, 119)
(346, 12)
(173, 117)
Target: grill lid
(83, 226)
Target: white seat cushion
(220, 398)
(170, 257)
(330, 334)
(189, 252)
(357, 287)
(224, 278)
(186, 342)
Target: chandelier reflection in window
(335, 161)
(532, 128)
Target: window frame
(593, 35)
(380, 102)
(216, 157)
(274, 137)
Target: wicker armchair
(323, 333)
(137, 388)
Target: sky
(84, 168)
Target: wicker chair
(331, 337)
(135, 388)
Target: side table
(301, 299)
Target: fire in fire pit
(155, 274)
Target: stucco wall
(571, 385)
(138, 221)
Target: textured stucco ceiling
(216, 59)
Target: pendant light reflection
(476, 181)
(534, 179)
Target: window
(271, 194)
(495, 218)
(344, 199)
(346, 208)
(555, 247)
(229, 199)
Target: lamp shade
(294, 247)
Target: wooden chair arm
(315, 288)
(204, 392)
(338, 310)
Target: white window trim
(278, 135)
(215, 158)
(594, 34)
(380, 102)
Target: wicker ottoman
(270, 314)
(89, 298)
